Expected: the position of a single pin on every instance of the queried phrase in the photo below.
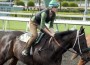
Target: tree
(10, 0)
(20, 3)
(16, 0)
(39, 2)
(30, 3)
(60, 1)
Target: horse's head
(80, 41)
(74, 39)
(81, 44)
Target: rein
(54, 40)
(60, 45)
(77, 39)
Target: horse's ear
(82, 29)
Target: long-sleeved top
(43, 17)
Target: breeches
(33, 30)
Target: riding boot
(26, 51)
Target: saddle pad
(25, 37)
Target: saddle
(26, 36)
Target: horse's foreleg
(81, 62)
(13, 61)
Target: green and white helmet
(53, 3)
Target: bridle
(77, 40)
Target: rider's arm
(43, 17)
(42, 25)
(51, 24)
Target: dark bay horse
(81, 61)
(15, 33)
(48, 51)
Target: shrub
(20, 3)
(64, 10)
(81, 9)
(72, 4)
(65, 4)
(30, 3)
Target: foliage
(74, 10)
(65, 4)
(20, 3)
(72, 4)
(69, 4)
(30, 3)
(73, 0)
(81, 9)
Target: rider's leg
(33, 31)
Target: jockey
(38, 22)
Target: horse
(16, 33)
(81, 61)
(48, 51)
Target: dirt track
(66, 60)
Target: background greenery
(15, 25)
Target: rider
(38, 22)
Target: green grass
(63, 28)
(15, 25)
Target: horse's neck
(67, 40)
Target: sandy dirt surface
(65, 61)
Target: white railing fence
(6, 19)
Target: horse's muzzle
(86, 58)
(86, 54)
(86, 50)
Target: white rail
(74, 22)
(28, 14)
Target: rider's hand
(52, 34)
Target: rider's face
(54, 9)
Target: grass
(15, 25)
(63, 28)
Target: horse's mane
(63, 33)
